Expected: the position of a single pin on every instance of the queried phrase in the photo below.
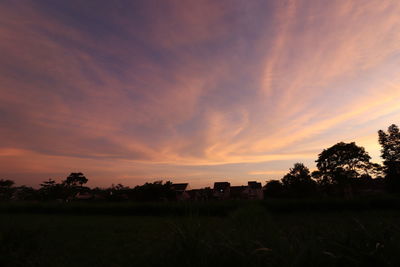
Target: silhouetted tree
(47, 184)
(6, 189)
(154, 191)
(390, 143)
(298, 181)
(273, 188)
(50, 190)
(5, 183)
(25, 193)
(75, 179)
(119, 192)
(341, 163)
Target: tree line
(342, 168)
(73, 188)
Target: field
(275, 233)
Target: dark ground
(247, 234)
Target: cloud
(186, 87)
(270, 172)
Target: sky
(195, 91)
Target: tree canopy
(273, 188)
(390, 152)
(5, 183)
(298, 181)
(342, 162)
(76, 178)
(390, 143)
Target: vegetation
(75, 179)
(250, 234)
(342, 162)
(298, 181)
(390, 143)
(344, 168)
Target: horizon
(194, 91)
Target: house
(221, 190)
(254, 190)
(202, 194)
(181, 191)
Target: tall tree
(390, 152)
(273, 188)
(48, 183)
(6, 189)
(50, 190)
(153, 191)
(75, 178)
(298, 181)
(341, 162)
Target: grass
(248, 234)
(122, 208)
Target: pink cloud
(188, 84)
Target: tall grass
(211, 208)
(122, 208)
(189, 234)
(380, 202)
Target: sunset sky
(191, 91)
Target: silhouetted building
(221, 190)
(181, 191)
(254, 190)
(202, 194)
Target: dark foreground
(233, 234)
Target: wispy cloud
(191, 88)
